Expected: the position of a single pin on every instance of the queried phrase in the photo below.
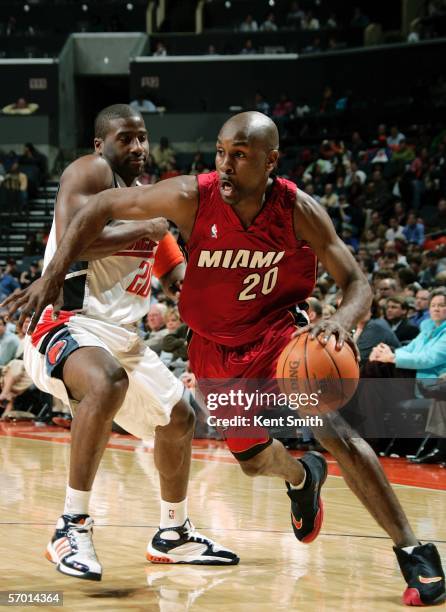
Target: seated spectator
(399, 212)
(248, 48)
(302, 108)
(142, 104)
(163, 154)
(354, 174)
(427, 352)
(386, 288)
(9, 343)
(370, 241)
(14, 380)
(269, 25)
(174, 345)
(375, 223)
(395, 138)
(330, 201)
(373, 330)
(29, 276)
(389, 258)
(413, 231)
(395, 229)
(348, 236)
(422, 298)
(32, 157)
(8, 282)
(433, 268)
(403, 153)
(157, 326)
(438, 223)
(160, 50)
(415, 264)
(249, 24)
(16, 184)
(20, 107)
(332, 22)
(407, 279)
(261, 104)
(414, 34)
(309, 22)
(357, 146)
(396, 311)
(284, 107)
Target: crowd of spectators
(300, 18)
(21, 174)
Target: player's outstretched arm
(176, 199)
(315, 227)
(82, 179)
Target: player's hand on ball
(33, 300)
(323, 330)
(157, 228)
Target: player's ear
(98, 145)
(272, 159)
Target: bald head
(251, 128)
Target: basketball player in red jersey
(93, 359)
(253, 242)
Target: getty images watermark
(234, 401)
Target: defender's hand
(33, 300)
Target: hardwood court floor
(350, 567)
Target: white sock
(408, 549)
(173, 514)
(300, 485)
(76, 502)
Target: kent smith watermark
(234, 401)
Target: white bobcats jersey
(115, 288)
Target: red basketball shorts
(251, 362)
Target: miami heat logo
(56, 351)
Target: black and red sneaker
(424, 575)
(307, 509)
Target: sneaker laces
(79, 537)
(192, 533)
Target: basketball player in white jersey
(93, 358)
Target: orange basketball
(307, 368)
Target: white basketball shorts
(153, 389)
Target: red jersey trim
(47, 323)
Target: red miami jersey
(240, 281)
